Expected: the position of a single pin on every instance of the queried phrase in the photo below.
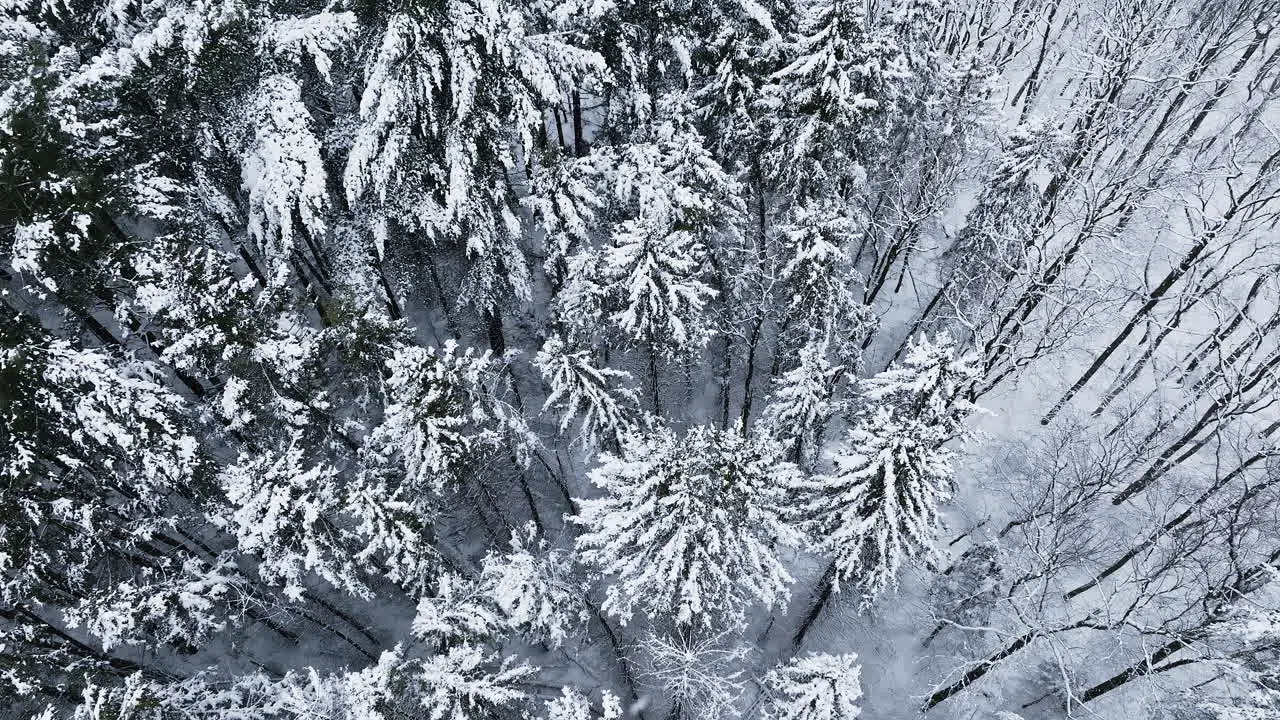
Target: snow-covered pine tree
(880, 504)
(599, 396)
(882, 500)
(447, 413)
(671, 207)
(564, 200)
(94, 448)
(742, 45)
(814, 687)
(830, 100)
(283, 172)
(930, 384)
(689, 528)
(820, 285)
(466, 681)
(803, 401)
(573, 705)
(282, 509)
(183, 605)
(436, 417)
(533, 586)
(462, 680)
(256, 461)
(452, 96)
(525, 591)
(339, 511)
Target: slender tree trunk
(1146, 666)
(624, 666)
(654, 388)
(450, 320)
(1219, 409)
(564, 146)
(494, 330)
(1214, 341)
(726, 380)
(978, 671)
(826, 586)
(579, 140)
(1153, 299)
(1167, 528)
(1031, 84)
(757, 327)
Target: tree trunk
(580, 147)
(826, 586)
(979, 670)
(1140, 669)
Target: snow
(600, 359)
